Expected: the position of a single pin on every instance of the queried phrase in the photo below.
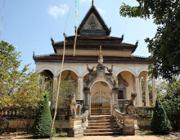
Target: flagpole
(76, 30)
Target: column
(114, 100)
(55, 85)
(141, 91)
(80, 88)
(153, 90)
(146, 91)
(139, 95)
(87, 98)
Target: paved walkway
(113, 138)
(116, 138)
(172, 136)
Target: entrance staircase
(102, 125)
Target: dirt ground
(172, 136)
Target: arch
(71, 73)
(48, 74)
(100, 94)
(126, 84)
(45, 69)
(47, 81)
(100, 80)
(69, 69)
(69, 85)
(126, 70)
(143, 73)
(85, 77)
(85, 73)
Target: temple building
(104, 69)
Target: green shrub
(160, 123)
(43, 120)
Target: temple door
(100, 99)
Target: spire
(92, 2)
(100, 59)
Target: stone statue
(130, 109)
(100, 57)
(72, 105)
(110, 70)
(90, 70)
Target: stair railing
(85, 119)
(119, 117)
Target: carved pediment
(93, 24)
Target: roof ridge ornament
(137, 42)
(92, 2)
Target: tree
(43, 120)
(16, 84)
(165, 45)
(160, 123)
(67, 88)
(170, 97)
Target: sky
(29, 24)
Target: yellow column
(154, 95)
(138, 92)
(146, 90)
(55, 84)
(80, 88)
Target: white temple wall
(129, 78)
(80, 69)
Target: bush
(43, 120)
(160, 123)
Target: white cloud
(101, 11)
(58, 10)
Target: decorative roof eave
(92, 43)
(91, 10)
(91, 59)
(95, 46)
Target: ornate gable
(93, 24)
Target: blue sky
(29, 24)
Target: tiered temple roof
(92, 33)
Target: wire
(2, 18)
(58, 90)
(76, 15)
(75, 40)
(59, 79)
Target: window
(120, 94)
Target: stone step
(101, 119)
(100, 127)
(101, 130)
(102, 133)
(100, 124)
(93, 113)
(100, 116)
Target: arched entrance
(100, 98)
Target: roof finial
(92, 2)
(100, 59)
